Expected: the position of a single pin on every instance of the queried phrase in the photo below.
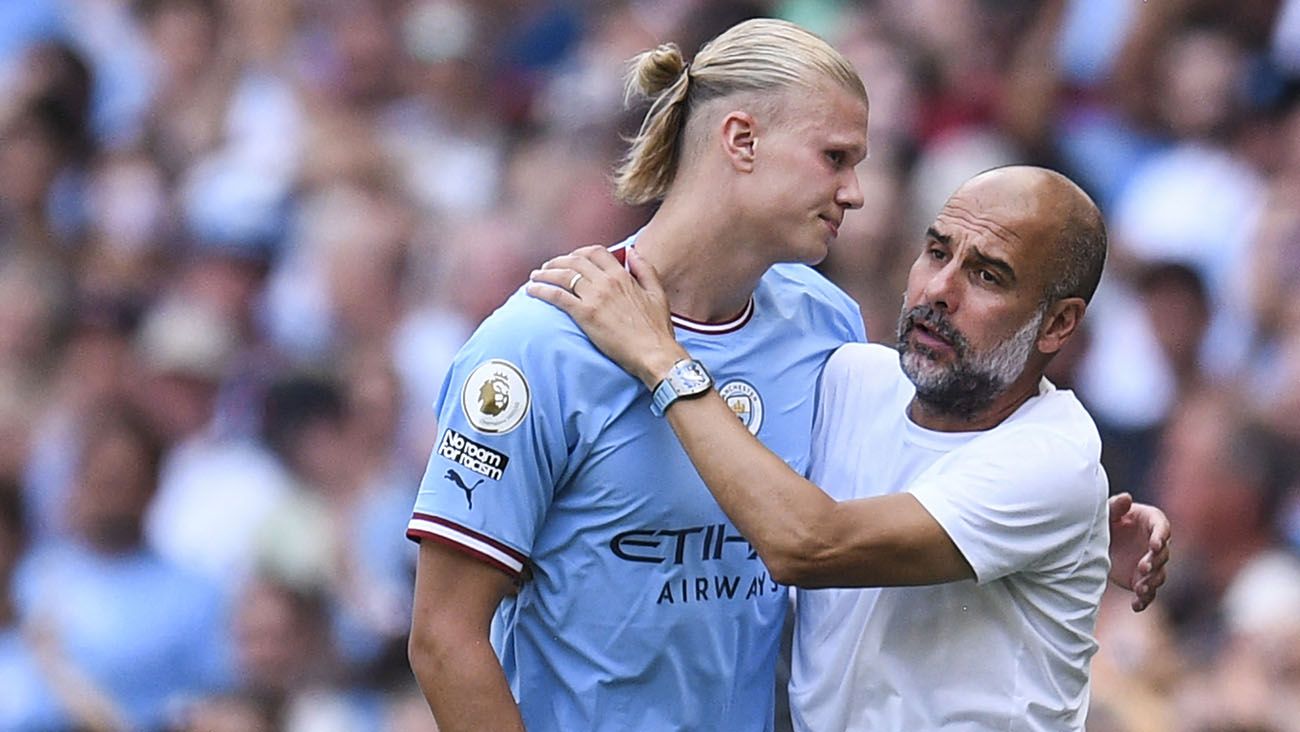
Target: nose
(849, 194)
(942, 287)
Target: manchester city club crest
(744, 400)
(495, 397)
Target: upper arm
(1027, 500)
(455, 596)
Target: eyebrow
(943, 239)
(860, 150)
(985, 259)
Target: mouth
(832, 224)
(931, 340)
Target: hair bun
(657, 69)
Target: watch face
(692, 378)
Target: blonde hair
(763, 55)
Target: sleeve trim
(423, 526)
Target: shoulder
(862, 388)
(529, 347)
(801, 292)
(868, 366)
(529, 330)
(1051, 445)
(1057, 418)
(804, 282)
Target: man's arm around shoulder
(450, 653)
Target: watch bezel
(687, 378)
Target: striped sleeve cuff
(423, 526)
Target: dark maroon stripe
(417, 535)
(687, 323)
(470, 532)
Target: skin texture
(984, 268)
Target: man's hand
(1139, 548)
(623, 312)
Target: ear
(740, 140)
(1060, 324)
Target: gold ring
(574, 282)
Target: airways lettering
(700, 589)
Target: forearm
(805, 537)
(464, 685)
(783, 515)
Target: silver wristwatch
(686, 378)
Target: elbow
(800, 560)
(422, 655)
(428, 653)
(786, 570)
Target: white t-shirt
(1025, 502)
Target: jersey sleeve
(1025, 500)
(501, 448)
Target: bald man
(956, 503)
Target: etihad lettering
(706, 589)
(656, 546)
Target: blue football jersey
(640, 606)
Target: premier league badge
(495, 397)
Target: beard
(974, 379)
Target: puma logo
(469, 489)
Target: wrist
(656, 365)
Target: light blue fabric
(645, 608)
(146, 633)
(27, 703)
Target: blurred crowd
(240, 241)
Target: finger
(1119, 504)
(557, 296)
(644, 272)
(562, 270)
(601, 257)
(1161, 533)
(558, 277)
(577, 263)
(597, 255)
(1156, 580)
(1158, 559)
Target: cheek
(916, 279)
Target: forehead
(827, 112)
(1008, 222)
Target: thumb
(1120, 503)
(644, 273)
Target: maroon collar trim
(730, 325)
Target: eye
(836, 157)
(987, 276)
(937, 254)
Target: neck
(934, 417)
(707, 271)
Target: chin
(814, 259)
(815, 253)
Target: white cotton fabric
(1025, 502)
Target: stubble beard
(969, 385)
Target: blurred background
(240, 241)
